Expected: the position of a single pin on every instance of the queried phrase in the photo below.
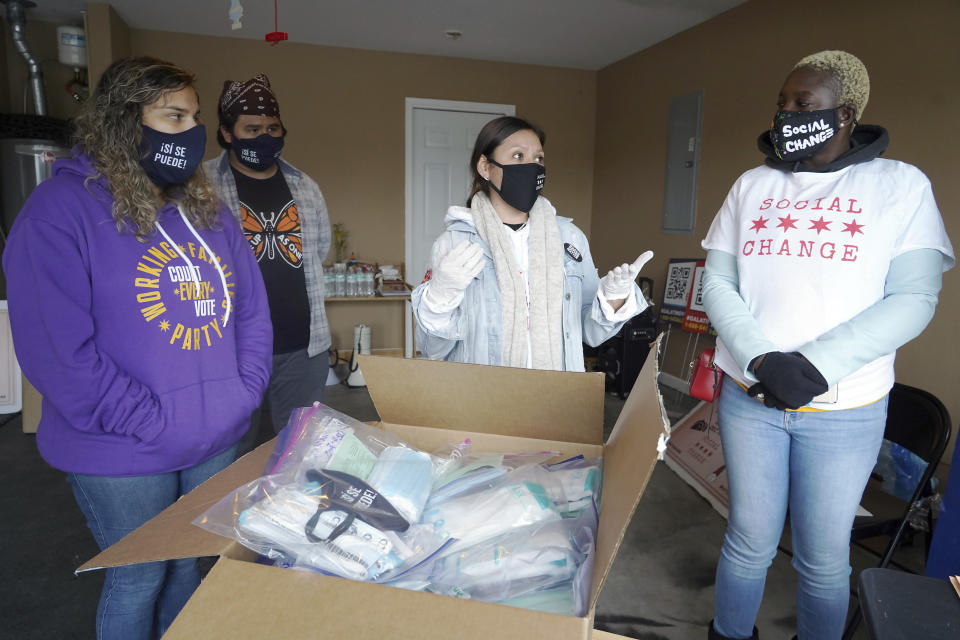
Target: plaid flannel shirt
(314, 229)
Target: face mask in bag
(572, 489)
(480, 477)
(403, 476)
(280, 522)
(342, 451)
(476, 517)
(558, 600)
(508, 565)
(361, 552)
(343, 492)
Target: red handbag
(706, 378)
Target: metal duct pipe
(17, 19)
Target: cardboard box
(695, 454)
(428, 404)
(32, 407)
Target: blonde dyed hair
(109, 130)
(849, 73)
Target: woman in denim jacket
(511, 283)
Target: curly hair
(109, 130)
(849, 73)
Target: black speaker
(635, 338)
(622, 356)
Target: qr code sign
(678, 279)
(697, 303)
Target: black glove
(790, 378)
(763, 394)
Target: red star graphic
(853, 228)
(821, 225)
(788, 223)
(759, 223)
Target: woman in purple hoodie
(139, 312)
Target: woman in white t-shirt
(512, 283)
(820, 264)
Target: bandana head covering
(252, 97)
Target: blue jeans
(815, 463)
(140, 601)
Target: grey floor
(661, 586)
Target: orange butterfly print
(269, 233)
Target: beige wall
(108, 38)
(42, 42)
(344, 109)
(740, 59)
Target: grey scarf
(545, 280)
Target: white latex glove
(618, 283)
(452, 274)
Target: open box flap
(246, 600)
(170, 534)
(629, 458)
(546, 405)
(431, 439)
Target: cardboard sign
(676, 292)
(695, 454)
(695, 315)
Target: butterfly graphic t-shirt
(271, 223)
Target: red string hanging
(275, 36)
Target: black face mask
(172, 158)
(798, 135)
(258, 153)
(341, 491)
(521, 184)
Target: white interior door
(440, 138)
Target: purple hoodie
(142, 368)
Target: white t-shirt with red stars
(813, 251)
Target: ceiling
(580, 34)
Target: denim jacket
(474, 333)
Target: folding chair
(902, 605)
(918, 422)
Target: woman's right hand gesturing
(452, 274)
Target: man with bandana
(285, 221)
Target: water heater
(72, 47)
(25, 162)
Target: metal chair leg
(851, 627)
